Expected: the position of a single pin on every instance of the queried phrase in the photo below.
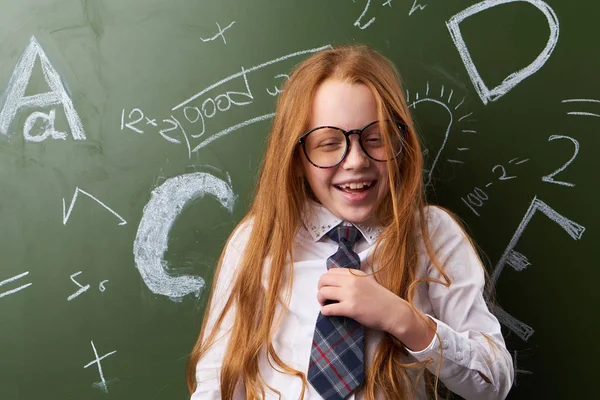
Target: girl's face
(354, 189)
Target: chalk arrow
(67, 214)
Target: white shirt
(460, 312)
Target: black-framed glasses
(327, 146)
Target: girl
(403, 310)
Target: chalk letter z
(15, 93)
(515, 78)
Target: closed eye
(329, 145)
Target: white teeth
(355, 185)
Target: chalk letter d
(515, 78)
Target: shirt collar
(318, 220)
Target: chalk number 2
(550, 178)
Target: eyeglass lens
(326, 147)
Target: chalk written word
(444, 101)
(14, 278)
(176, 127)
(102, 384)
(67, 214)
(200, 108)
(519, 262)
(478, 197)
(247, 71)
(159, 215)
(220, 103)
(221, 33)
(16, 99)
(210, 106)
(515, 78)
(171, 127)
(82, 289)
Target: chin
(357, 218)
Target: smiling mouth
(355, 187)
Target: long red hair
(276, 219)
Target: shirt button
(444, 344)
(459, 356)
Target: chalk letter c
(158, 217)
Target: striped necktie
(336, 366)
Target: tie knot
(347, 234)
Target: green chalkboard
(131, 133)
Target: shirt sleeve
(208, 369)
(469, 340)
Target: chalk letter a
(515, 78)
(15, 93)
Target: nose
(356, 157)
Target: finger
(338, 271)
(328, 294)
(330, 279)
(345, 271)
(340, 278)
(335, 309)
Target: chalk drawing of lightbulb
(455, 117)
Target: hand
(363, 299)
(359, 297)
